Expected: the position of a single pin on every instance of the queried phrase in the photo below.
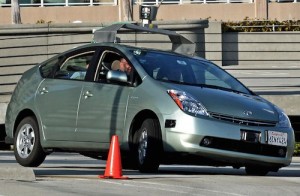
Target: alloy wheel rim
(143, 143)
(25, 141)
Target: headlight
(284, 121)
(187, 103)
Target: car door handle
(44, 91)
(87, 94)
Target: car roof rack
(180, 44)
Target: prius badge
(247, 113)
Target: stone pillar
(261, 9)
(213, 43)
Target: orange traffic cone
(113, 165)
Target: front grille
(242, 121)
(244, 147)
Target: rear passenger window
(75, 67)
(49, 68)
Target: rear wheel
(27, 146)
(148, 146)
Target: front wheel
(148, 145)
(27, 147)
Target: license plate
(277, 138)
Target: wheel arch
(137, 122)
(24, 113)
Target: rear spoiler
(180, 44)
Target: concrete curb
(17, 173)
(296, 159)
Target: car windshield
(179, 69)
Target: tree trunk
(127, 10)
(15, 12)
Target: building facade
(107, 11)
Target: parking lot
(73, 174)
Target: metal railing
(43, 3)
(282, 1)
(157, 2)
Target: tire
(256, 171)
(27, 147)
(148, 146)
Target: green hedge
(248, 25)
(297, 149)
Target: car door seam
(78, 106)
(36, 92)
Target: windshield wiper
(205, 86)
(219, 88)
(175, 81)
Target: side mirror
(116, 76)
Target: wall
(261, 47)
(108, 13)
(284, 11)
(61, 14)
(217, 11)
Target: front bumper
(225, 144)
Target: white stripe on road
(170, 189)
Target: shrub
(41, 21)
(248, 25)
(297, 149)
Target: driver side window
(106, 63)
(115, 68)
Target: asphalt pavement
(65, 174)
(69, 165)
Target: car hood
(231, 103)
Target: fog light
(206, 141)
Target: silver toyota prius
(165, 107)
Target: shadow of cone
(113, 168)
